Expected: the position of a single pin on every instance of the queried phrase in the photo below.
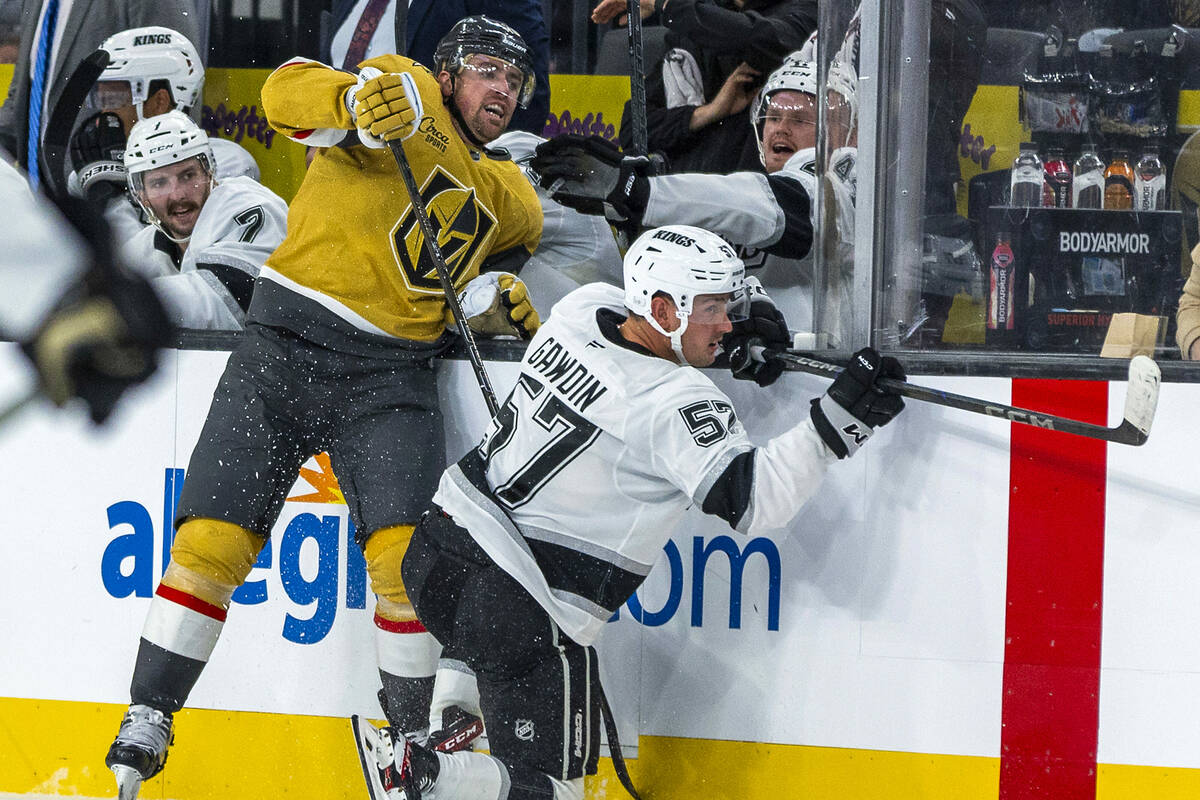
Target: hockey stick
(1141, 399)
(443, 273)
(53, 154)
(637, 81)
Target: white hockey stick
(1141, 399)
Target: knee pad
(384, 551)
(211, 558)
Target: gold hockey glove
(384, 106)
(498, 304)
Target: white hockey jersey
(597, 453)
(772, 241)
(241, 223)
(574, 249)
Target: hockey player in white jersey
(575, 248)
(770, 217)
(208, 237)
(89, 328)
(608, 413)
(151, 70)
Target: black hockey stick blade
(1141, 400)
(53, 155)
(443, 272)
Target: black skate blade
(365, 738)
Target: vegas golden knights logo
(462, 225)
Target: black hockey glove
(98, 156)
(590, 175)
(855, 405)
(764, 327)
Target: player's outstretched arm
(313, 103)
(763, 488)
(304, 100)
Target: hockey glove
(764, 327)
(385, 106)
(855, 405)
(590, 175)
(98, 156)
(498, 304)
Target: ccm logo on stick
(1021, 416)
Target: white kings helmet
(681, 261)
(158, 142)
(800, 75)
(796, 75)
(139, 56)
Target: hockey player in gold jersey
(345, 319)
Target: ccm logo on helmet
(152, 38)
(675, 238)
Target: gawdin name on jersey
(577, 386)
(1088, 242)
(152, 38)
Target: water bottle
(1002, 279)
(1087, 182)
(1056, 180)
(1026, 186)
(1150, 182)
(1118, 182)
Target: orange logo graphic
(324, 484)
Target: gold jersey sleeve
(353, 244)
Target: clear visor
(715, 309)
(500, 75)
(110, 95)
(790, 111)
(161, 182)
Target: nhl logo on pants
(524, 730)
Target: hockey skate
(460, 728)
(393, 767)
(140, 749)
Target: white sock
(454, 685)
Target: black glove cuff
(826, 430)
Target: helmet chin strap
(675, 336)
(463, 127)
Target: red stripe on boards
(1050, 712)
(395, 626)
(191, 601)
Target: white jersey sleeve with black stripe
(242, 223)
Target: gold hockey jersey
(353, 248)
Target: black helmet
(486, 36)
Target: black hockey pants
(537, 687)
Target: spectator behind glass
(374, 26)
(77, 32)
(717, 56)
